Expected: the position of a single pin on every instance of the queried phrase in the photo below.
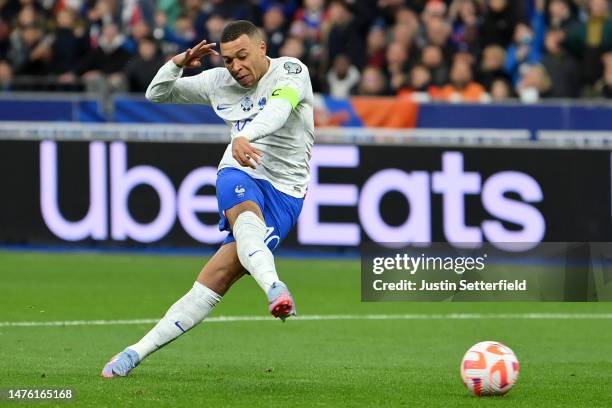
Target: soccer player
(262, 177)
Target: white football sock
(186, 313)
(250, 232)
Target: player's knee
(236, 211)
(247, 225)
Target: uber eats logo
(452, 183)
(111, 182)
(118, 223)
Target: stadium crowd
(453, 50)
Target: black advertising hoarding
(162, 194)
(433, 194)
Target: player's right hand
(191, 58)
(245, 153)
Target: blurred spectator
(372, 82)
(195, 8)
(407, 17)
(170, 10)
(376, 47)
(604, 85)
(466, 57)
(389, 9)
(103, 66)
(342, 77)
(30, 51)
(141, 69)
(343, 33)
(307, 28)
(419, 84)
(492, 65)
(438, 33)
(214, 28)
(248, 10)
(560, 15)
(534, 85)
(498, 23)
(413, 43)
(181, 37)
(309, 19)
(5, 31)
(433, 60)
(589, 40)
(307, 23)
(433, 10)
(403, 34)
(97, 16)
(135, 12)
(293, 47)
(420, 78)
(462, 87)
(274, 27)
(561, 67)
(500, 90)
(526, 49)
(70, 42)
(137, 31)
(464, 14)
(9, 9)
(6, 76)
(528, 43)
(397, 65)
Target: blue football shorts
(280, 210)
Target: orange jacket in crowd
(473, 92)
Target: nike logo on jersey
(254, 252)
(177, 324)
(223, 107)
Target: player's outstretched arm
(168, 87)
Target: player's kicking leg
(215, 279)
(249, 252)
(250, 232)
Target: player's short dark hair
(237, 28)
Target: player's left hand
(245, 153)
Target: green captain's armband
(288, 94)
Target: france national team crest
(262, 102)
(246, 104)
(292, 67)
(239, 190)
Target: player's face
(245, 58)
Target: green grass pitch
(308, 363)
